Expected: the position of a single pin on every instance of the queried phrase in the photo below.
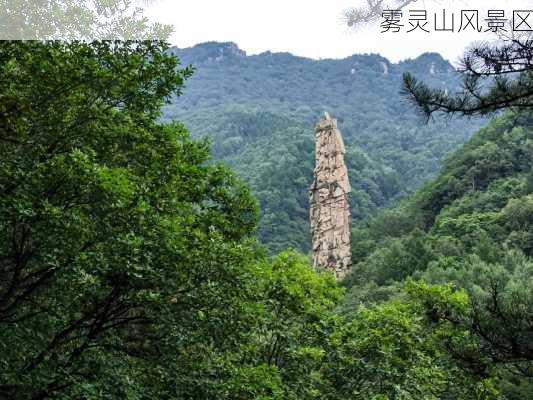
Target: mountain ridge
(231, 47)
(260, 110)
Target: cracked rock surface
(329, 208)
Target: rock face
(329, 208)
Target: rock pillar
(329, 208)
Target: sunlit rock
(329, 208)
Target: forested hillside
(260, 112)
(472, 227)
(129, 266)
(480, 203)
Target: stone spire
(329, 208)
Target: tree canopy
(496, 76)
(469, 229)
(129, 267)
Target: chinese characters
(395, 21)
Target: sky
(315, 28)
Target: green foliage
(129, 269)
(116, 232)
(260, 112)
(497, 75)
(78, 20)
(470, 227)
(478, 203)
(500, 304)
(388, 352)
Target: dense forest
(130, 266)
(471, 227)
(260, 113)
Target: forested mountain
(480, 203)
(260, 112)
(130, 268)
(471, 227)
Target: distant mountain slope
(481, 203)
(260, 111)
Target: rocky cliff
(329, 207)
